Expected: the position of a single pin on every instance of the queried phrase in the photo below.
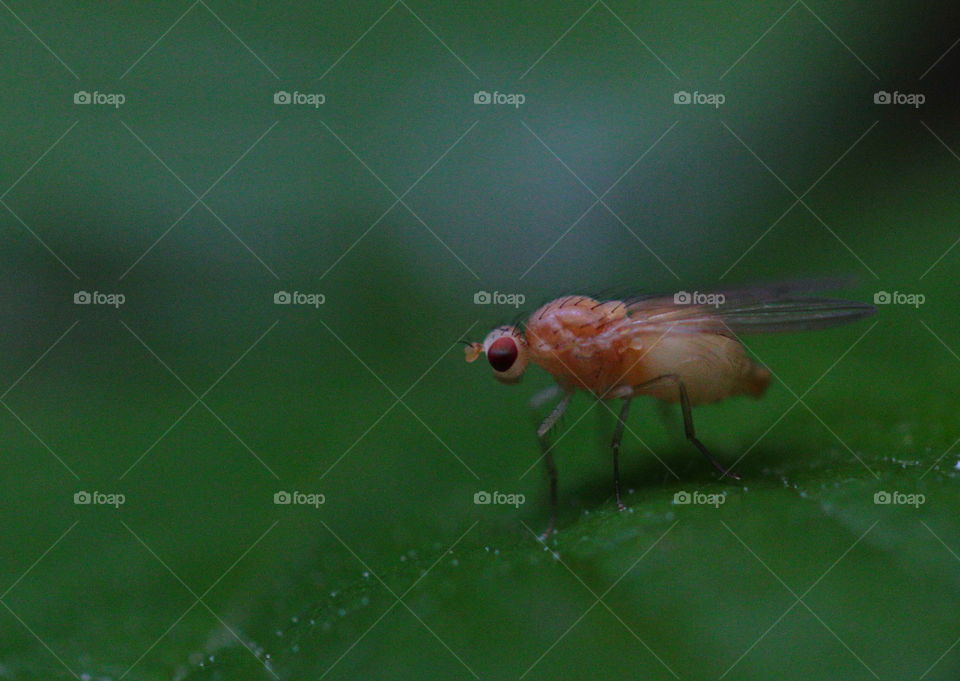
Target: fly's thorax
(572, 317)
(574, 339)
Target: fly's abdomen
(711, 366)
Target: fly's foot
(549, 531)
(727, 473)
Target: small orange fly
(681, 348)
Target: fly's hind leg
(542, 432)
(692, 435)
(688, 428)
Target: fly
(670, 348)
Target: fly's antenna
(471, 350)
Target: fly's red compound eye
(502, 353)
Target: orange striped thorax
(571, 339)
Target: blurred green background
(199, 398)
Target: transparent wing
(772, 308)
(748, 294)
(772, 316)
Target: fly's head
(505, 349)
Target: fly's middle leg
(615, 444)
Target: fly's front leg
(617, 437)
(546, 395)
(545, 426)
